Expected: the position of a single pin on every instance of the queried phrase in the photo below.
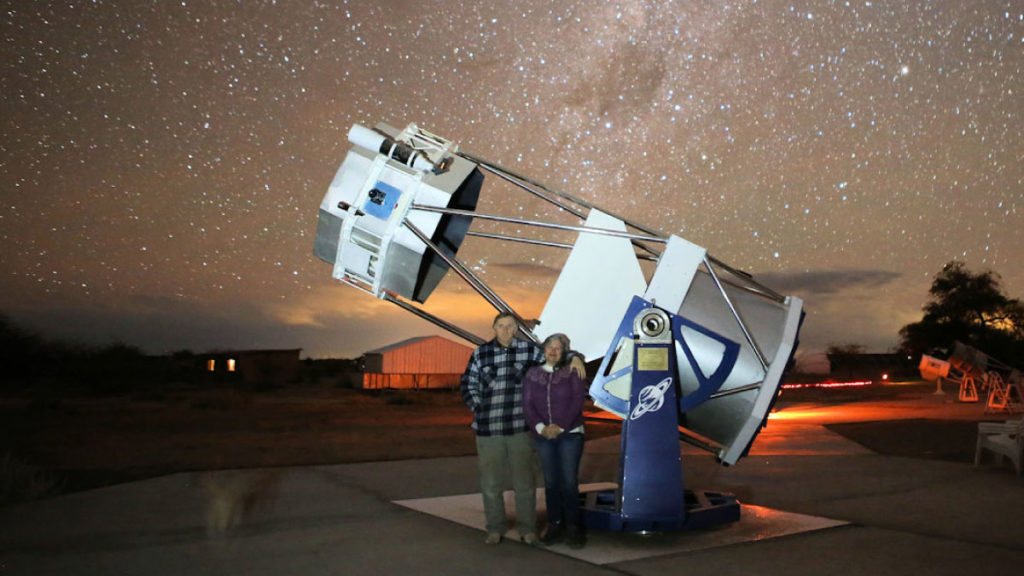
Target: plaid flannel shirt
(492, 386)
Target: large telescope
(693, 350)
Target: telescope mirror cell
(740, 408)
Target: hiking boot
(553, 534)
(531, 540)
(575, 537)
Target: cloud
(827, 281)
(324, 305)
(341, 321)
(468, 307)
(862, 306)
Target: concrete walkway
(892, 515)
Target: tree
(971, 308)
(19, 352)
(848, 349)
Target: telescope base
(703, 509)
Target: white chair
(1002, 439)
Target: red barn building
(417, 363)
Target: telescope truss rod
(538, 242)
(464, 334)
(752, 285)
(506, 219)
(703, 444)
(440, 322)
(518, 239)
(463, 272)
(736, 390)
(736, 315)
(507, 178)
(521, 182)
(518, 180)
(474, 282)
(653, 254)
(569, 197)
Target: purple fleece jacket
(553, 398)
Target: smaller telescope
(972, 369)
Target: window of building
(211, 365)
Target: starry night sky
(162, 162)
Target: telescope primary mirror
(404, 201)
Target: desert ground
(77, 444)
(86, 442)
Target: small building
(873, 366)
(813, 363)
(417, 363)
(260, 367)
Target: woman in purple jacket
(553, 399)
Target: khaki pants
(496, 454)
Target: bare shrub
(22, 482)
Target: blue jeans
(560, 459)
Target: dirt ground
(87, 443)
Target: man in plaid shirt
(492, 387)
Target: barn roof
(421, 355)
(401, 344)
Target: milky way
(163, 162)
